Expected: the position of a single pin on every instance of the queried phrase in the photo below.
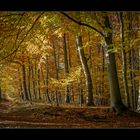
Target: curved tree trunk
(89, 86)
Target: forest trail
(45, 116)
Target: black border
(69, 134)
(69, 5)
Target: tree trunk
(0, 91)
(116, 101)
(24, 82)
(103, 69)
(90, 55)
(47, 82)
(89, 86)
(81, 99)
(131, 62)
(69, 52)
(72, 92)
(36, 78)
(132, 76)
(124, 67)
(33, 81)
(66, 68)
(57, 71)
(20, 86)
(29, 78)
(39, 92)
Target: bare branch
(84, 24)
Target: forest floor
(38, 115)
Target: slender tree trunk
(20, 86)
(90, 55)
(33, 81)
(24, 82)
(137, 82)
(67, 96)
(103, 68)
(81, 99)
(21, 91)
(29, 78)
(83, 60)
(70, 64)
(131, 79)
(69, 52)
(124, 67)
(47, 82)
(99, 84)
(72, 92)
(0, 91)
(89, 86)
(131, 62)
(39, 92)
(57, 72)
(116, 101)
(36, 77)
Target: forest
(69, 69)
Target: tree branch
(23, 38)
(84, 24)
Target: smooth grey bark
(124, 67)
(89, 86)
(116, 101)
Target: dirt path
(23, 124)
(44, 116)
